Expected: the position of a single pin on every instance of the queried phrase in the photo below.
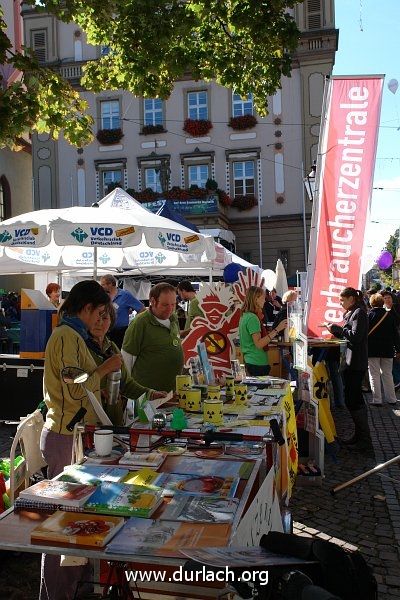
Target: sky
(369, 43)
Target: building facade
(202, 132)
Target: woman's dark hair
(185, 285)
(356, 294)
(83, 293)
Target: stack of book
(141, 459)
(78, 528)
(52, 494)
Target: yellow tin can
(213, 412)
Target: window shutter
(314, 14)
(39, 45)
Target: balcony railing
(71, 71)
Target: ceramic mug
(193, 400)
(213, 412)
(103, 441)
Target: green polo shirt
(249, 323)
(158, 351)
(193, 311)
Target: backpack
(342, 572)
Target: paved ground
(365, 515)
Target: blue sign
(192, 206)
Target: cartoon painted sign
(218, 328)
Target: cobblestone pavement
(365, 515)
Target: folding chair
(28, 437)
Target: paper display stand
(309, 408)
(309, 412)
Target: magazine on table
(198, 485)
(77, 528)
(142, 459)
(199, 509)
(58, 492)
(124, 499)
(165, 538)
(144, 477)
(91, 474)
(200, 467)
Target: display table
(16, 528)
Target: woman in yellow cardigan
(66, 347)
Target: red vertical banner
(346, 162)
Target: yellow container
(183, 381)
(229, 387)
(213, 392)
(193, 400)
(182, 396)
(241, 394)
(213, 412)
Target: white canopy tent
(92, 237)
(154, 258)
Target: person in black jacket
(355, 332)
(383, 340)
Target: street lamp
(309, 182)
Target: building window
(152, 179)
(242, 107)
(5, 199)
(109, 110)
(243, 178)
(104, 50)
(284, 256)
(111, 178)
(197, 106)
(198, 175)
(314, 14)
(39, 44)
(153, 111)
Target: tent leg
(95, 263)
(210, 276)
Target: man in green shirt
(188, 293)
(152, 349)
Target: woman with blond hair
(252, 342)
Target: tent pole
(210, 276)
(95, 263)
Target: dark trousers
(257, 370)
(353, 396)
(117, 335)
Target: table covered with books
(143, 508)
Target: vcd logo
(21, 232)
(101, 231)
(173, 237)
(146, 254)
(87, 255)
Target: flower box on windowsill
(108, 137)
(245, 202)
(243, 122)
(152, 129)
(197, 127)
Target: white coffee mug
(103, 441)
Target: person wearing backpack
(355, 332)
